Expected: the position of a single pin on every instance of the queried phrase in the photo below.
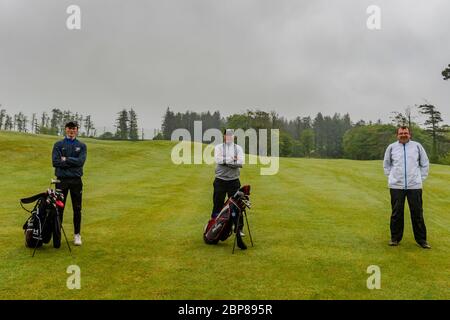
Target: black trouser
(221, 189)
(75, 186)
(415, 207)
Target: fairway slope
(317, 226)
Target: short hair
(72, 124)
(228, 132)
(403, 127)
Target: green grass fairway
(317, 225)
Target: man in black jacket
(68, 157)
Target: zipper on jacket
(404, 157)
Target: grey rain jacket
(406, 165)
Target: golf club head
(59, 194)
(247, 203)
(239, 194)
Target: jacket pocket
(414, 177)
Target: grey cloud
(298, 57)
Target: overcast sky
(293, 56)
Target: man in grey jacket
(229, 158)
(406, 165)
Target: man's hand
(63, 158)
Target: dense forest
(325, 136)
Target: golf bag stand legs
(234, 243)
(238, 230)
(65, 237)
(248, 227)
(64, 232)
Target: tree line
(53, 123)
(172, 121)
(325, 136)
(46, 123)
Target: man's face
(403, 135)
(71, 132)
(229, 138)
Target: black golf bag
(220, 228)
(45, 221)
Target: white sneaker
(241, 234)
(77, 240)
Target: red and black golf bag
(220, 227)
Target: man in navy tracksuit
(68, 157)
(406, 165)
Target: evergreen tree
(36, 127)
(133, 131)
(216, 121)
(66, 117)
(319, 134)
(122, 125)
(2, 117)
(44, 120)
(33, 120)
(306, 142)
(432, 125)
(286, 144)
(56, 126)
(88, 126)
(15, 122)
(168, 125)
(23, 122)
(446, 73)
(9, 125)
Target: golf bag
(220, 228)
(44, 222)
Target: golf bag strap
(39, 200)
(235, 204)
(29, 211)
(33, 198)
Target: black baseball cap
(72, 124)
